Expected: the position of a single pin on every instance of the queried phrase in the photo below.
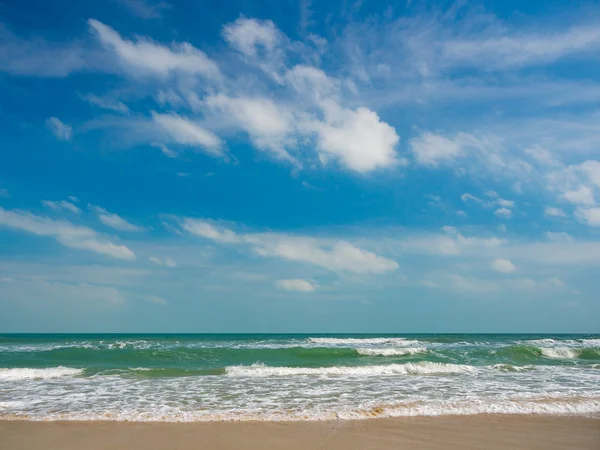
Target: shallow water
(295, 377)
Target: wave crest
(421, 368)
(560, 352)
(15, 374)
(399, 342)
(403, 351)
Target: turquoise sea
(197, 377)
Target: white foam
(402, 351)
(15, 374)
(545, 406)
(420, 368)
(560, 352)
(400, 342)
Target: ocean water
(295, 377)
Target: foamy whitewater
(295, 377)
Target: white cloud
(144, 57)
(551, 211)
(59, 129)
(168, 262)
(144, 9)
(250, 35)
(582, 196)
(73, 199)
(542, 156)
(429, 149)
(269, 126)
(165, 150)
(503, 266)
(591, 168)
(186, 132)
(106, 103)
(504, 51)
(113, 220)
(296, 284)
(63, 204)
(210, 231)
(559, 236)
(504, 213)
(505, 203)
(357, 138)
(336, 256)
(332, 254)
(37, 57)
(453, 243)
(65, 233)
(589, 216)
(469, 197)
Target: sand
(491, 432)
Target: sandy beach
(492, 432)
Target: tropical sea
(202, 377)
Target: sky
(299, 166)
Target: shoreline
(490, 431)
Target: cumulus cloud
(250, 35)
(113, 220)
(146, 57)
(296, 284)
(582, 196)
(60, 129)
(332, 254)
(65, 233)
(268, 125)
(358, 139)
(588, 216)
(63, 204)
(504, 213)
(503, 266)
(551, 211)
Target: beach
(491, 432)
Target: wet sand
(490, 432)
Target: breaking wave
(420, 368)
(15, 374)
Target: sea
(295, 377)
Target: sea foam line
(515, 406)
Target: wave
(560, 352)
(364, 341)
(15, 374)
(390, 351)
(420, 368)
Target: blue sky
(287, 166)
